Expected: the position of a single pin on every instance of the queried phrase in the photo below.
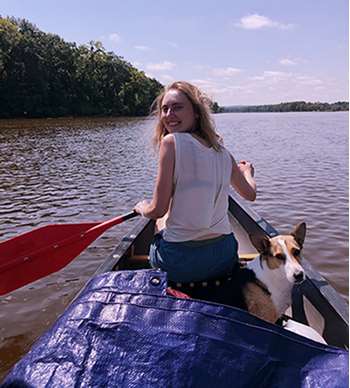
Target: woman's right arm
(163, 189)
(242, 179)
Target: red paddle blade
(27, 243)
(33, 255)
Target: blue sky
(238, 51)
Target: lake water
(74, 170)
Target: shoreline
(121, 118)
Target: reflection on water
(74, 170)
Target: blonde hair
(205, 127)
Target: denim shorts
(192, 261)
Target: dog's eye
(296, 252)
(280, 256)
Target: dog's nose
(299, 276)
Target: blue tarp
(124, 331)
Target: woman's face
(177, 114)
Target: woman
(194, 176)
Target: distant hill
(295, 106)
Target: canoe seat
(143, 259)
(138, 262)
(247, 256)
(139, 258)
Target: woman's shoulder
(168, 141)
(227, 154)
(168, 138)
(176, 137)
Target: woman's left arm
(162, 194)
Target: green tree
(42, 75)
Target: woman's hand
(141, 207)
(246, 167)
(242, 179)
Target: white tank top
(199, 206)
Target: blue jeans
(192, 261)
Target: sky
(240, 52)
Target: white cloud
(294, 80)
(114, 37)
(257, 78)
(287, 62)
(142, 48)
(173, 44)
(270, 77)
(309, 81)
(255, 22)
(225, 72)
(276, 75)
(203, 83)
(165, 65)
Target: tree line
(41, 75)
(295, 106)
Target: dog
(267, 290)
(263, 286)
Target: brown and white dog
(276, 270)
(264, 285)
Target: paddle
(42, 251)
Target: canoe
(123, 329)
(315, 302)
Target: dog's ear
(299, 233)
(260, 242)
